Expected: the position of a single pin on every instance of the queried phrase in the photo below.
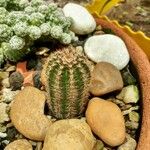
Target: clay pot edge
(142, 65)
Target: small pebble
(11, 68)
(82, 21)
(105, 78)
(42, 51)
(132, 125)
(125, 112)
(107, 48)
(8, 95)
(4, 75)
(6, 83)
(129, 94)
(130, 144)
(99, 33)
(6, 142)
(3, 113)
(106, 121)
(21, 144)
(134, 116)
(99, 145)
(99, 28)
(39, 146)
(3, 135)
(36, 79)
(16, 81)
(3, 128)
(12, 133)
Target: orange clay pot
(142, 65)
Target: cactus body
(66, 76)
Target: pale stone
(107, 48)
(82, 21)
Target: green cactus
(66, 76)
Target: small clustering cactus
(66, 76)
(22, 22)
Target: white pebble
(83, 21)
(6, 142)
(107, 48)
(3, 135)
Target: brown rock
(27, 114)
(19, 145)
(73, 134)
(106, 121)
(105, 78)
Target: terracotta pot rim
(142, 65)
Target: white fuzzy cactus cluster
(23, 22)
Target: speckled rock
(27, 113)
(107, 48)
(19, 145)
(72, 134)
(106, 121)
(82, 21)
(105, 78)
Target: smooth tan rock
(106, 121)
(73, 134)
(19, 145)
(105, 78)
(27, 114)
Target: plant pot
(142, 65)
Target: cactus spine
(66, 76)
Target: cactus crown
(66, 76)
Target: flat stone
(27, 113)
(106, 121)
(105, 78)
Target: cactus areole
(66, 76)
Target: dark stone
(36, 80)
(16, 81)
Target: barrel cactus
(66, 76)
